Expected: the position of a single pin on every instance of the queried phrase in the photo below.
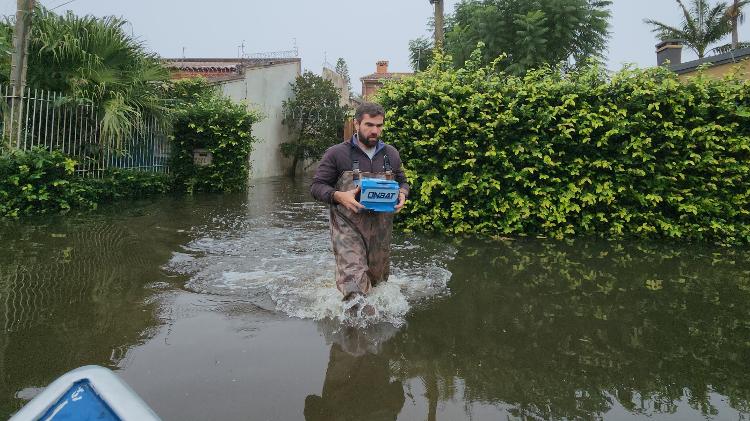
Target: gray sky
(361, 32)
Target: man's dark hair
(370, 108)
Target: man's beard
(365, 141)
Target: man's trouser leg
(350, 251)
(377, 229)
(362, 246)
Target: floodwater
(224, 308)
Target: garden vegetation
(638, 153)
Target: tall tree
(736, 17)
(702, 25)
(314, 118)
(420, 53)
(422, 49)
(529, 32)
(6, 49)
(343, 70)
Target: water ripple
(283, 262)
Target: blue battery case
(379, 195)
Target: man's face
(369, 129)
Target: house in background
(721, 64)
(264, 84)
(344, 99)
(372, 82)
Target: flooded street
(224, 307)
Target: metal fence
(37, 118)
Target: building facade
(373, 82)
(263, 85)
(669, 53)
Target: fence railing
(37, 118)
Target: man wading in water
(361, 239)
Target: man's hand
(348, 199)
(401, 201)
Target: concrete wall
(344, 99)
(340, 84)
(265, 89)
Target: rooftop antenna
(325, 61)
(294, 47)
(241, 50)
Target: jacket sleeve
(398, 172)
(326, 176)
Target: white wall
(340, 84)
(265, 89)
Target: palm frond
(689, 23)
(665, 31)
(736, 9)
(702, 24)
(92, 58)
(728, 47)
(118, 118)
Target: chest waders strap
(387, 165)
(355, 166)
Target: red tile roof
(219, 69)
(382, 76)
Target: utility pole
(439, 23)
(19, 60)
(21, 32)
(735, 16)
(241, 50)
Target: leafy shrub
(314, 118)
(635, 154)
(206, 120)
(40, 181)
(34, 181)
(118, 184)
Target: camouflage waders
(361, 241)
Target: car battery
(379, 195)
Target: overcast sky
(360, 31)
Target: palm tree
(93, 60)
(701, 26)
(736, 17)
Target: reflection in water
(358, 383)
(74, 289)
(588, 329)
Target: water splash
(282, 262)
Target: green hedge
(39, 181)
(634, 154)
(206, 120)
